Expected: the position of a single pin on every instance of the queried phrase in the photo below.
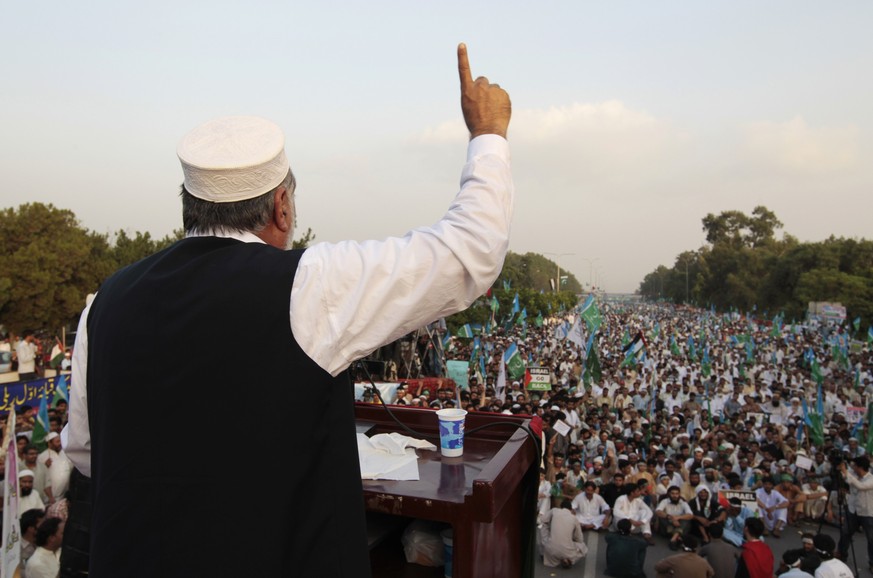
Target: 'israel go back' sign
(539, 379)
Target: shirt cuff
(488, 144)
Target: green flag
(816, 430)
(41, 424)
(465, 331)
(539, 320)
(591, 314)
(674, 347)
(816, 373)
(592, 367)
(514, 362)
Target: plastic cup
(448, 537)
(451, 432)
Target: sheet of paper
(803, 462)
(561, 427)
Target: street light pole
(687, 292)
(558, 264)
(591, 270)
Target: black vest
(218, 447)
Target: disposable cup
(451, 432)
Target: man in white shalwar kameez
(772, 506)
(591, 509)
(563, 541)
(632, 507)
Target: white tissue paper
(390, 456)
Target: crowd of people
(43, 485)
(30, 354)
(669, 436)
(660, 441)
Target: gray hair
(250, 215)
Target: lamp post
(687, 293)
(557, 257)
(591, 269)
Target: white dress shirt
(350, 298)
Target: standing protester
(860, 482)
(26, 351)
(44, 563)
(306, 314)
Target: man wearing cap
(307, 315)
(52, 452)
(28, 499)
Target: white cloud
(797, 147)
(581, 140)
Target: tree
(304, 241)
(126, 250)
(744, 265)
(48, 265)
(736, 229)
(534, 271)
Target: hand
(485, 106)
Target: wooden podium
(486, 495)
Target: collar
(244, 236)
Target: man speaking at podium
(164, 510)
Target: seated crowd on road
(712, 406)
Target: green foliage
(48, 265)
(304, 241)
(535, 301)
(534, 271)
(744, 266)
(127, 250)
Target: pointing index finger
(464, 66)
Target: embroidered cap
(233, 158)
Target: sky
(631, 120)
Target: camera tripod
(840, 487)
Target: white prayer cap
(51, 436)
(25, 473)
(233, 158)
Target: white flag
(11, 529)
(575, 335)
(500, 389)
